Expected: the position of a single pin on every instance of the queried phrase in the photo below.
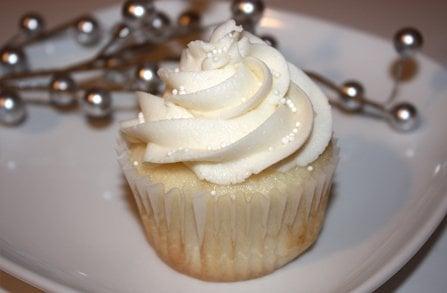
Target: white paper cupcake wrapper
(233, 236)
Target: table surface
(425, 272)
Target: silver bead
(407, 41)
(97, 103)
(31, 24)
(270, 40)
(13, 59)
(12, 108)
(352, 94)
(247, 11)
(159, 24)
(121, 31)
(403, 117)
(62, 89)
(135, 12)
(146, 78)
(88, 31)
(188, 19)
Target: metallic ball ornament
(88, 31)
(353, 92)
(62, 89)
(121, 31)
(146, 79)
(404, 117)
(97, 103)
(407, 41)
(189, 19)
(135, 12)
(13, 59)
(159, 24)
(31, 24)
(247, 11)
(270, 40)
(12, 108)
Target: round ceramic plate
(67, 220)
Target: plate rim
(32, 278)
(400, 259)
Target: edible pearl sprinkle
(174, 92)
(213, 192)
(181, 90)
(176, 69)
(140, 117)
(135, 163)
(310, 168)
(276, 74)
(291, 105)
(270, 149)
(295, 130)
(282, 101)
(298, 124)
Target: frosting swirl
(233, 108)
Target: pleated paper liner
(232, 234)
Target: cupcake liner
(230, 237)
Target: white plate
(67, 221)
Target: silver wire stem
(376, 107)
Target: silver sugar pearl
(159, 24)
(97, 103)
(247, 11)
(13, 59)
(407, 41)
(404, 117)
(88, 31)
(353, 92)
(31, 24)
(135, 12)
(188, 19)
(12, 108)
(62, 90)
(270, 40)
(146, 78)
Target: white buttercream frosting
(232, 108)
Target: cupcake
(231, 169)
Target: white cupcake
(231, 169)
